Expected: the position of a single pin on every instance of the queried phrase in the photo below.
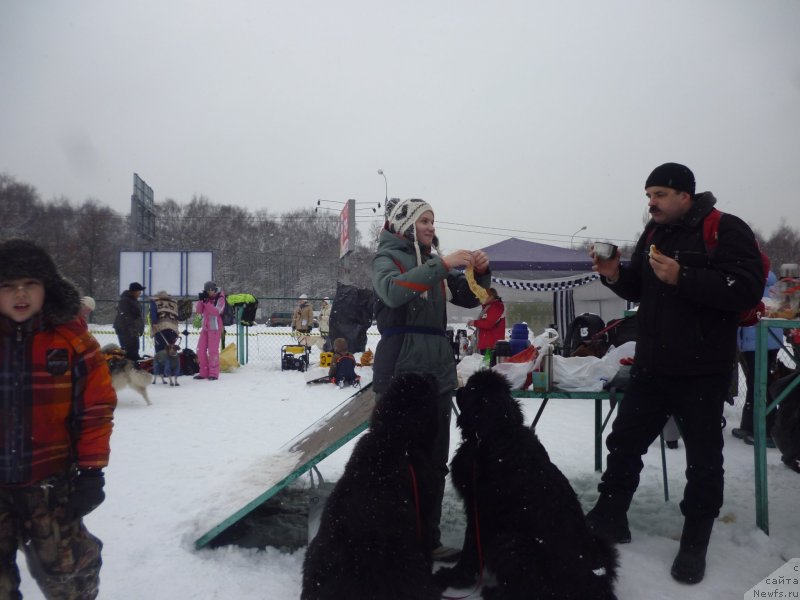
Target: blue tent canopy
(520, 255)
(521, 258)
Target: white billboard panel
(177, 273)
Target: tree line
(266, 255)
(260, 253)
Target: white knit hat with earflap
(404, 214)
(401, 220)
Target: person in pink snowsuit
(209, 307)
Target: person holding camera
(210, 305)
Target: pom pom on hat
(88, 302)
(672, 175)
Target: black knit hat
(672, 175)
(21, 259)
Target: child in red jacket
(57, 407)
(491, 324)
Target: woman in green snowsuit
(412, 286)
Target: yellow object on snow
(366, 358)
(227, 358)
(325, 359)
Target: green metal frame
(242, 339)
(761, 410)
(310, 452)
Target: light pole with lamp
(573, 236)
(386, 185)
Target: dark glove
(202, 296)
(88, 493)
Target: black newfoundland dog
(520, 508)
(371, 540)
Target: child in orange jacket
(57, 412)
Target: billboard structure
(177, 273)
(347, 228)
(143, 209)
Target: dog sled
(344, 376)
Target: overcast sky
(538, 117)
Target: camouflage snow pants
(63, 557)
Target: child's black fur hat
(20, 259)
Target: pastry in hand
(480, 292)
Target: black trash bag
(351, 315)
(786, 427)
(189, 363)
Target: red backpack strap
(399, 265)
(711, 230)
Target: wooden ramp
(302, 452)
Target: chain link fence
(262, 344)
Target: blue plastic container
(519, 338)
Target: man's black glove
(87, 494)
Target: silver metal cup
(604, 250)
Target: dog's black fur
(371, 540)
(533, 532)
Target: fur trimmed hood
(22, 258)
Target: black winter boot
(690, 563)
(609, 520)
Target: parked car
(284, 319)
(280, 319)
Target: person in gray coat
(412, 285)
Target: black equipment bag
(582, 330)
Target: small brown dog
(124, 373)
(166, 362)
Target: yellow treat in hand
(480, 292)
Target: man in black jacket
(129, 323)
(689, 299)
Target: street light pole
(573, 236)
(386, 185)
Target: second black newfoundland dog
(371, 543)
(524, 522)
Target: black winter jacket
(689, 329)
(129, 319)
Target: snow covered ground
(173, 463)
